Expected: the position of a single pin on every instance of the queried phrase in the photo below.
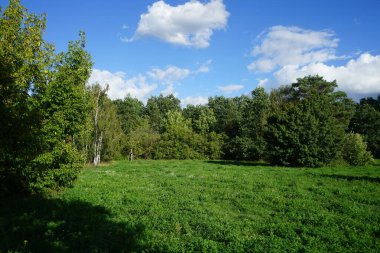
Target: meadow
(202, 206)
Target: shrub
(54, 169)
(354, 150)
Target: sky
(197, 49)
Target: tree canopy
(307, 122)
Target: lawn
(209, 206)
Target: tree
(228, 112)
(178, 140)
(143, 140)
(203, 122)
(158, 107)
(24, 58)
(42, 104)
(355, 150)
(249, 144)
(106, 137)
(63, 106)
(307, 123)
(130, 111)
(113, 137)
(202, 118)
(366, 121)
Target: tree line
(53, 122)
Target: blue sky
(197, 49)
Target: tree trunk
(97, 141)
(98, 149)
(131, 155)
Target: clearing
(210, 206)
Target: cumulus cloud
(199, 100)
(172, 75)
(143, 85)
(292, 52)
(169, 75)
(230, 88)
(191, 24)
(280, 46)
(358, 76)
(119, 86)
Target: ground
(209, 206)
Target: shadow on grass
(35, 224)
(352, 178)
(238, 163)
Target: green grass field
(216, 206)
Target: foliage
(157, 108)
(51, 170)
(42, 104)
(307, 123)
(195, 206)
(203, 122)
(178, 140)
(228, 112)
(249, 144)
(202, 118)
(366, 121)
(129, 110)
(355, 150)
(142, 140)
(22, 50)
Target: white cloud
(191, 24)
(200, 100)
(230, 88)
(169, 75)
(143, 85)
(358, 76)
(281, 46)
(119, 86)
(292, 52)
(263, 82)
(172, 75)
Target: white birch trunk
(97, 147)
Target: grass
(209, 206)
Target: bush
(54, 169)
(354, 150)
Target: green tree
(24, 58)
(42, 104)
(107, 137)
(178, 140)
(143, 140)
(157, 108)
(202, 118)
(249, 144)
(130, 111)
(203, 122)
(307, 123)
(366, 122)
(355, 150)
(63, 106)
(228, 112)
